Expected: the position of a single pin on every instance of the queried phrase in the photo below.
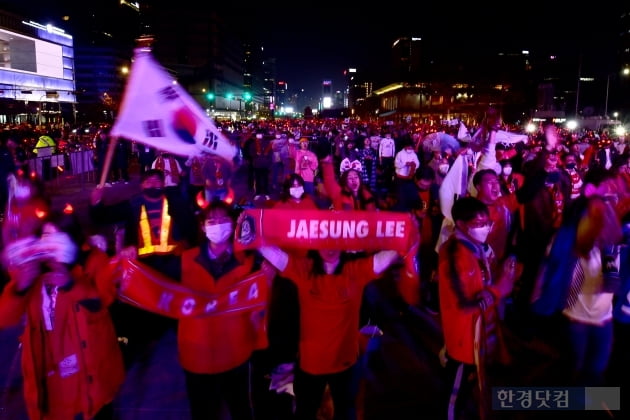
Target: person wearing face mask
(544, 198)
(306, 165)
(157, 228)
(570, 166)
(581, 278)
(406, 163)
(216, 351)
(510, 179)
(468, 308)
(284, 310)
(293, 195)
(60, 291)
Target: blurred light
(201, 200)
(530, 128)
(620, 130)
(572, 124)
(68, 209)
(229, 199)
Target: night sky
(313, 41)
(323, 41)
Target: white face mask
(443, 168)
(217, 234)
(296, 192)
(507, 170)
(479, 234)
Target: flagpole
(108, 161)
(144, 43)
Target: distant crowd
(523, 242)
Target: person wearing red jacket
(294, 195)
(330, 287)
(468, 298)
(72, 365)
(215, 351)
(349, 193)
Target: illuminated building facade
(36, 71)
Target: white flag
(463, 134)
(507, 137)
(502, 136)
(158, 112)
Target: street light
(607, 88)
(625, 72)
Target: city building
(37, 79)
(406, 60)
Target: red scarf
(325, 229)
(148, 289)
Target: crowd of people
(520, 242)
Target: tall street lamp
(625, 72)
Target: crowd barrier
(55, 166)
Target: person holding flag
(157, 228)
(156, 111)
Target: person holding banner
(330, 287)
(158, 227)
(284, 310)
(216, 351)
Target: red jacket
(77, 367)
(216, 344)
(329, 313)
(460, 277)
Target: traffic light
(229, 96)
(210, 96)
(247, 96)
